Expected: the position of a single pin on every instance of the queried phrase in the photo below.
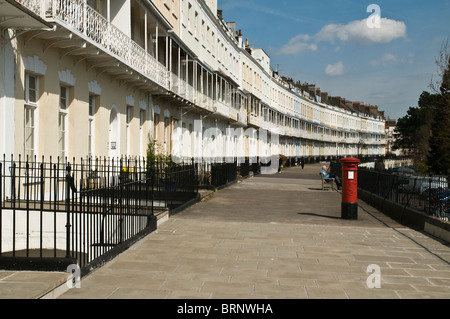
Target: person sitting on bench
(326, 175)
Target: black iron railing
(224, 172)
(217, 174)
(81, 211)
(429, 194)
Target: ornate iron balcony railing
(78, 16)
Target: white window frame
(195, 24)
(166, 133)
(63, 125)
(189, 18)
(30, 107)
(129, 117)
(30, 148)
(142, 120)
(156, 120)
(95, 92)
(91, 125)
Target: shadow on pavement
(317, 215)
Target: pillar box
(349, 206)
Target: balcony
(254, 120)
(242, 117)
(233, 114)
(16, 16)
(222, 109)
(77, 17)
(182, 88)
(204, 101)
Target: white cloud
(334, 69)
(298, 44)
(358, 32)
(390, 59)
(384, 60)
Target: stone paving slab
(29, 284)
(276, 237)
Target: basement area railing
(56, 213)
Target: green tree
(439, 155)
(413, 131)
(425, 130)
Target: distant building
(390, 138)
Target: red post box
(349, 206)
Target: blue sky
(328, 43)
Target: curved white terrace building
(104, 78)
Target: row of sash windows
(31, 104)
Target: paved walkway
(277, 237)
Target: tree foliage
(413, 130)
(439, 154)
(425, 129)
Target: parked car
(439, 202)
(420, 184)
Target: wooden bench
(327, 183)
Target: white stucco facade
(107, 77)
